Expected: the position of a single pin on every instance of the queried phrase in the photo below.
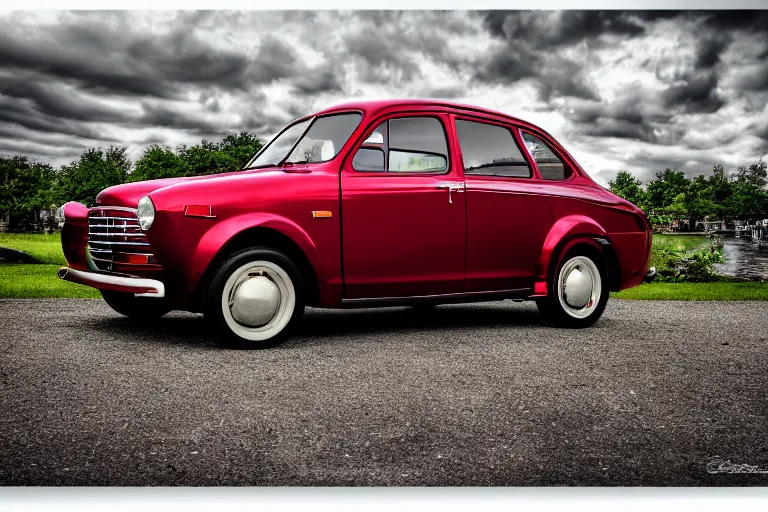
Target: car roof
(375, 106)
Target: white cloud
(174, 77)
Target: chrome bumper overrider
(651, 275)
(141, 287)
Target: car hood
(128, 194)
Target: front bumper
(113, 281)
(650, 276)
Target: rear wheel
(578, 292)
(256, 299)
(137, 308)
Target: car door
(507, 218)
(403, 211)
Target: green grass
(23, 281)
(44, 248)
(696, 291)
(680, 242)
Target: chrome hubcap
(579, 286)
(255, 301)
(258, 300)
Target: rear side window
(490, 150)
(410, 144)
(551, 167)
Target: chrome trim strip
(132, 253)
(116, 243)
(107, 233)
(131, 219)
(111, 229)
(518, 293)
(117, 208)
(144, 287)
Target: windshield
(320, 143)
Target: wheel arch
(260, 230)
(571, 233)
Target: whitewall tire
(577, 292)
(255, 299)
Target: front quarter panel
(284, 202)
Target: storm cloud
(634, 90)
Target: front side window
(551, 167)
(490, 150)
(409, 144)
(322, 142)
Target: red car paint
(382, 234)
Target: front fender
(565, 233)
(221, 233)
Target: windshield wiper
(262, 166)
(298, 162)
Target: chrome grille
(116, 240)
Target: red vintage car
(361, 205)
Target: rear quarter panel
(623, 227)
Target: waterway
(744, 259)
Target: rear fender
(566, 233)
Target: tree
(721, 189)
(748, 201)
(94, 171)
(662, 191)
(756, 174)
(698, 200)
(231, 154)
(159, 162)
(627, 186)
(241, 147)
(206, 158)
(749, 198)
(25, 189)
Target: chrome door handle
(451, 187)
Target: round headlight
(146, 213)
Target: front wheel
(255, 299)
(577, 294)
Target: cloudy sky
(634, 90)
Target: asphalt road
(479, 394)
